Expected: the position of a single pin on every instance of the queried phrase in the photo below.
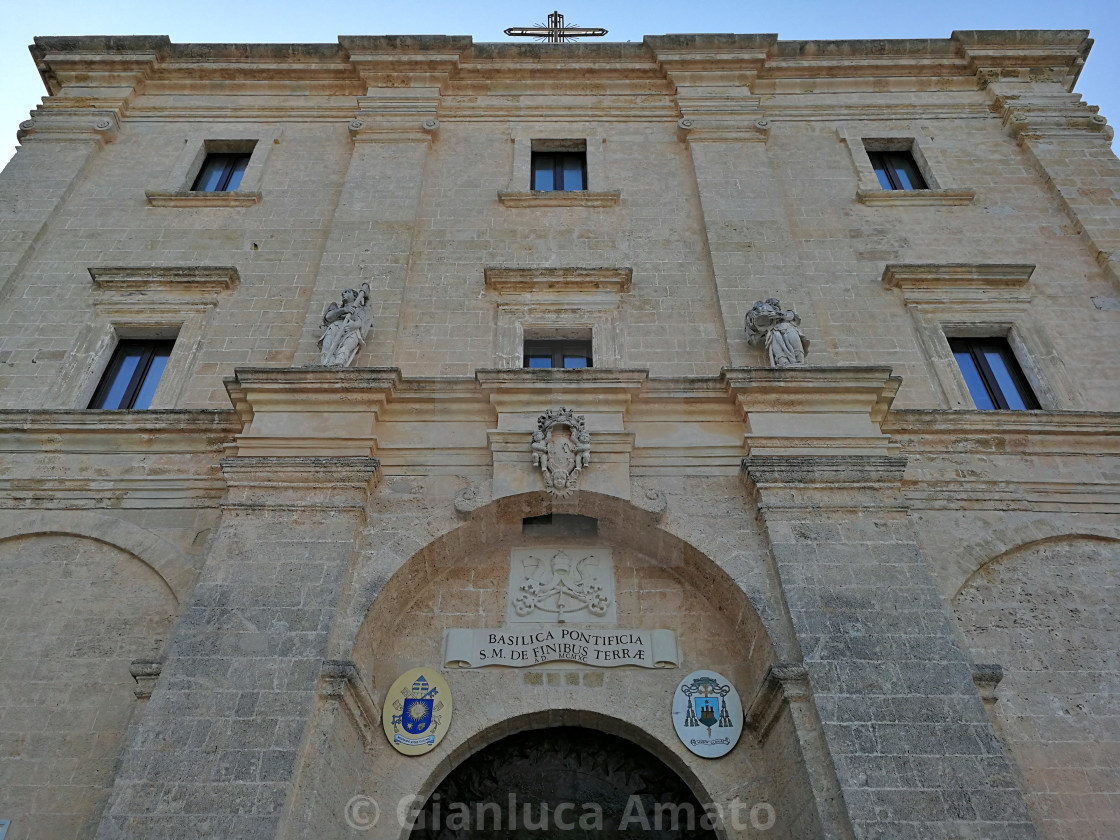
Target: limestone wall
(1046, 613)
(74, 613)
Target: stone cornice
(519, 281)
(942, 276)
(870, 390)
(79, 459)
(814, 411)
(1006, 432)
(297, 482)
(989, 459)
(1029, 54)
(960, 284)
(705, 65)
(519, 395)
(153, 423)
(309, 412)
(202, 280)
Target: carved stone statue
(776, 329)
(561, 447)
(344, 327)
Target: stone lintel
(516, 281)
(192, 198)
(341, 681)
(559, 198)
(784, 682)
(915, 278)
(814, 410)
(340, 482)
(916, 198)
(192, 280)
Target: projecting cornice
(722, 60)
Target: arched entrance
(462, 582)
(562, 782)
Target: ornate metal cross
(556, 32)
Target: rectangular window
(557, 353)
(221, 172)
(133, 374)
(559, 165)
(897, 171)
(992, 374)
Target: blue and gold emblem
(417, 711)
(707, 713)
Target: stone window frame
(144, 303)
(980, 301)
(860, 138)
(597, 192)
(557, 303)
(176, 190)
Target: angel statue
(769, 325)
(344, 327)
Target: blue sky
(280, 21)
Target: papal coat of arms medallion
(417, 711)
(707, 714)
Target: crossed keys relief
(557, 586)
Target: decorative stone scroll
(344, 327)
(520, 647)
(561, 448)
(776, 329)
(561, 585)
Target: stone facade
(203, 604)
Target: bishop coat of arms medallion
(417, 711)
(707, 714)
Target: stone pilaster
(724, 126)
(372, 229)
(82, 113)
(217, 749)
(1031, 87)
(913, 750)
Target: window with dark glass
(221, 172)
(992, 374)
(133, 374)
(559, 171)
(557, 353)
(897, 171)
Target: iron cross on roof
(556, 32)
